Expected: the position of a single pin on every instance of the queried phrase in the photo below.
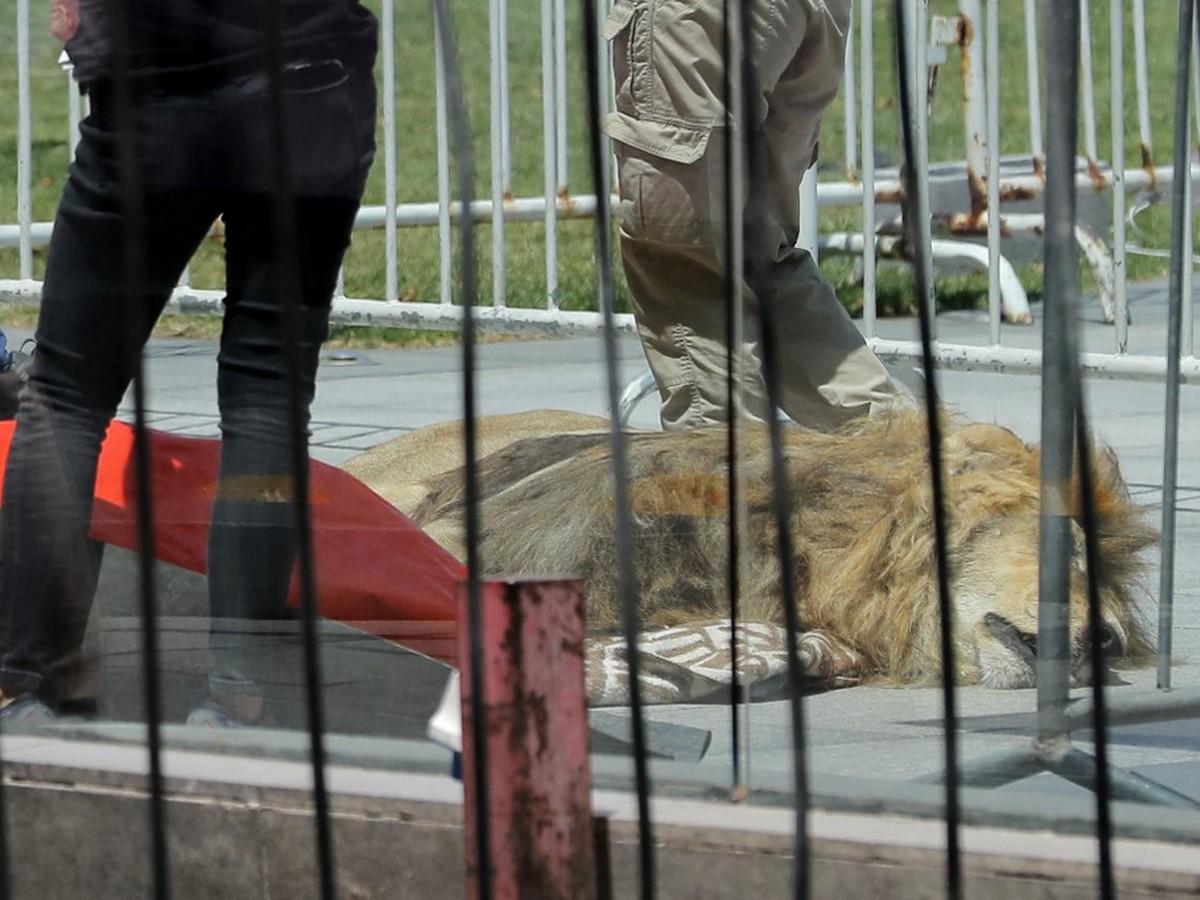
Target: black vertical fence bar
(1181, 256)
(133, 312)
(1096, 635)
(460, 132)
(756, 239)
(917, 231)
(1065, 35)
(732, 349)
(286, 283)
(627, 586)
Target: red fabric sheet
(375, 569)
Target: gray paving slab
(889, 733)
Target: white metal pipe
(350, 311)
(24, 142)
(392, 275)
(505, 100)
(974, 95)
(562, 140)
(809, 214)
(867, 63)
(583, 206)
(74, 102)
(549, 154)
(1014, 361)
(1087, 83)
(919, 41)
(499, 257)
(1015, 302)
(1034, 79)
(992, 47)
(443, 206)
(1143, 82)
(1117, 114)
(850, 104)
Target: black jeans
(203, 151)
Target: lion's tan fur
(860, 520)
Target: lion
(860, 516)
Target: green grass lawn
(418, 248)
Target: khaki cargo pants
(670, 134)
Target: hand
(64, 19)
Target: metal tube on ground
(1080, 768)
(1138, 709)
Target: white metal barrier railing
(992, 182)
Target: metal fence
(992, 183)
(1056, 175)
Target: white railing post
(992, 43)
(1141, 71)
(24, 143)
(496, 13)
(1033, 78)
(445, 244)
(392, 276)
(1117, 114)
(867, 65)
(550, 152)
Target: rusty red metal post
(539, 777)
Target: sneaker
(24, 710)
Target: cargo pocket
(645, 117)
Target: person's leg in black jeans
(48, 566)
(251, 548)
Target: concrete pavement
(370, 396)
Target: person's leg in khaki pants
(671, 135)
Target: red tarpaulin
(375, 570)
